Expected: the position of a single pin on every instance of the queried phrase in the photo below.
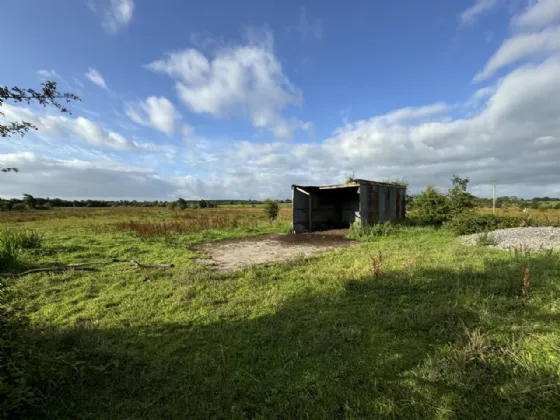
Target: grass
(440, 331)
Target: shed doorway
(324, 208)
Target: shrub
(468, 223)
(181, 204)
(431, 207)
(271, 209)
(19, 206)
(459, 199)
(485, 239)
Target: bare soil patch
(240, 253)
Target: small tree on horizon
(271, 209)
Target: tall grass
(187, 223)
(13, 241)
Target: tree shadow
(411, 344)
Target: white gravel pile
(526, 239)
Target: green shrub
(19, 206)
(271, 209)
(485, 239)
(431, 207)
(468, 223)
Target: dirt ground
(237, 254)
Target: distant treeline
(28, 202)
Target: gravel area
(525, 239)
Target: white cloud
(480, 7)
(538, 14)
(95, 77)
(115, 14)
(66, 128)
(79, 179)
(48, 74)
(155, 112)
(309, 27)
(245, 80)
(522, 46)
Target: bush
(469, 223)
(19, 206)
(431, 207)
(271, 209)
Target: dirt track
(237, 254)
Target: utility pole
(494, 199)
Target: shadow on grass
(415, 343)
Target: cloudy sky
(221, 100)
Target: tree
(202, 204)
(182, 204)
(431, 206)
(459, 199)
(29, 201)
(271, 209)
(47, 96)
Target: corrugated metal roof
(350, 185)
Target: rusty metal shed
(338, 206)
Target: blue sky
(219, 99)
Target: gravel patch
(525, 239)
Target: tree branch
(83, 267)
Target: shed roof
(354, 184)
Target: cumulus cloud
(538, 14)
(115, 14)
(95, 77)
(64, 127)
(155, 112)
(479, 8)
(79, 179)
(512, 137)
(522, 46)
(243, 80)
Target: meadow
(439, 331)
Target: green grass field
(442, 334)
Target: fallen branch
(47, 270)
(138, 265)
(83, 267)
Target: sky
(240, 100)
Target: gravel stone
(524, 239)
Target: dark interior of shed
(334, 208)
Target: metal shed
(338, 206)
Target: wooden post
(494, 199)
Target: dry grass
(553, 215)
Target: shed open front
(323, 208)
(339, 206)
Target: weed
(485, 239)
(526, 284)
(371, 232)
(376, 265)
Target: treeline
(29, 202)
